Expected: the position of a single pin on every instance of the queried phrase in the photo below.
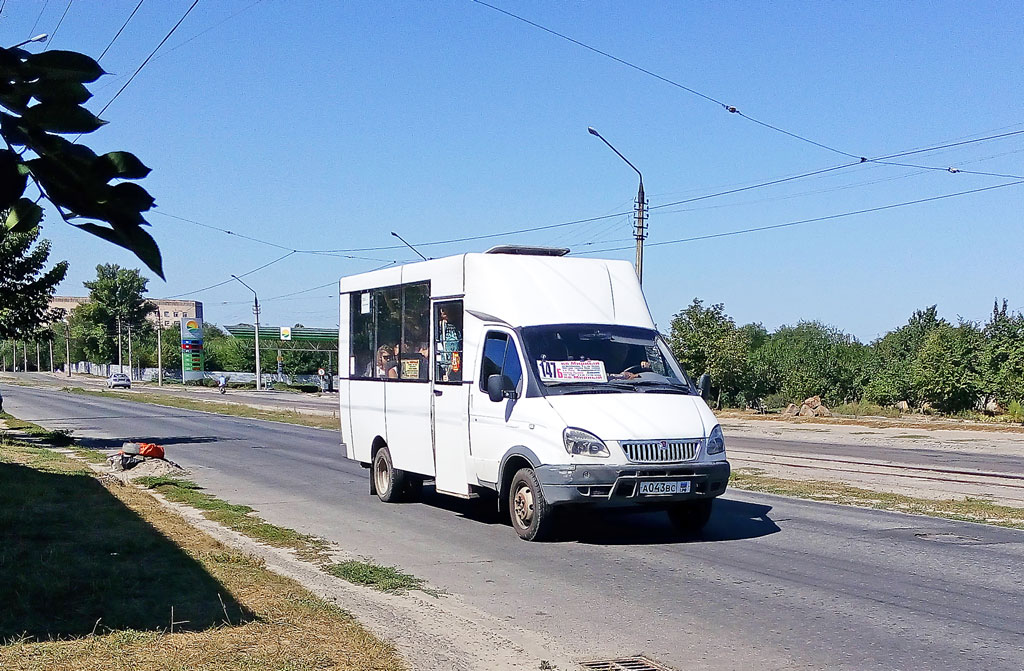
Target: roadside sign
(193, 359)
(321, 372)
(286, 333)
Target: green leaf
(14, 101)
(64, 66)
(61, 118)
(120, 164)
(24, 216)
(10, 126)
(12, 180)
(131, 196)
(134, 239)
(74, 93)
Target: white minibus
(526, 373)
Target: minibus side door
(449, 398)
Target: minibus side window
(388, 304)
(414, 358)
(494, 357)
(448, 341)
(500, 358)
(512, 368)
(361, 343)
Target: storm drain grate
(624, 664)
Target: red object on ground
(151, 450)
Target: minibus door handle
(438, 392)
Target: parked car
(119, 380)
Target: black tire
(532, 516)
(413, 487)
(388, 481)
(689, 517)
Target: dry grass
(262, 620)
(967, 510)
(234, 409)
(908, 422)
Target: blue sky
(322, 125)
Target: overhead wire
(245, 274)
(727, 107)
(53, 33)
(32, 30)
(829, 217)
(150, 56)
(119, 31)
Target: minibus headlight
(583, 443)
(716, 441)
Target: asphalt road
(774, 583)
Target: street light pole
(640, 230)
(256, 312)
(38, 38)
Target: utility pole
(131, 369)
(51, 356)
(67, 345)
(24, 354)
(39, 362)
(120, 367)
(256, 312)
(159, 353)
(640, 211)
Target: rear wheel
(388, 481)
(689, 517)
(532, 516)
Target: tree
(891, 370)
(43, 94)
(116, 304)
(1004, 355)
(25, 288)
(811, 359)
(948, 372)
(706, 340)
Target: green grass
(36, 433)
(966, 510)
(384, 578)
(233, 409)
(866, 409)
(237, 517)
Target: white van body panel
(454, 433)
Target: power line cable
(879, 159)
(120, 30)
(53, 34)
(727, 107)
(150, 56)
(35, 23)
(203, 32)
(245, 274)
(812, 220)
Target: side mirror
(499, 387)
(704, 385)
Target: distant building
(168, 313)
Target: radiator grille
(661, 451)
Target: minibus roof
(524, 289)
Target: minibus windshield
(582, 358)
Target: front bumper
(607, 484)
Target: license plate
(665, 487)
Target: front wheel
(388, 481)
(689, 517)
(532, 516)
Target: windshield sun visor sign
(572, 371)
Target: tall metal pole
(640, 227)
(67, 345)
(120, 367)
(131, 369)
(256, 312)
(51, 355)
(24, 354)
(159, 353)
(39, 362)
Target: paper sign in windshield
(572, 371)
